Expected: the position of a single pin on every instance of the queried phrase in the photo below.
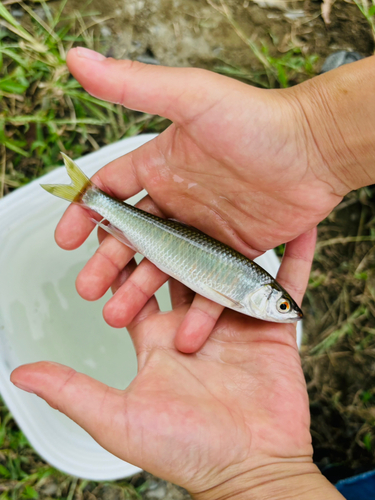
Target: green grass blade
(17, 28)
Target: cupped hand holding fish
(230, 420)
(253, 168)
(202, 263)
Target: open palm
(238, 163)
(236, 408)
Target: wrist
(337, 111)
(283, 481)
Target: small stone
(105, 31)
(340, 58)
(157, 493)
(49, 489)
(17, 13)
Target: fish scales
(204, 264)
(183, 252)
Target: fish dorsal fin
(180, 222)
(115, 232)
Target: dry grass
(339, 351)
(43, 109)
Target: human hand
(240, 163)
(233, 417)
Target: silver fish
(203, 264)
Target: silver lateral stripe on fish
(203, 264)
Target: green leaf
(29, 492)
(13, 55)
(361, 276)
(13, 86)
(4, 471)
(11, 145)
(19, 30)
(371, 11)
(54, 121)
(367, 438)
(281, 76)
(366, 396)
(38, 144)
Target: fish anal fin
(115, 232)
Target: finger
(295, 268)
(175, 93)
(133, 295)
(100, 272)
(123, 275)
(151, 307)
(80, 397)
(108, 261)
(74, 227)
(180, 294)
(197, 324)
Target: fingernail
(89, 54)
(23, 387)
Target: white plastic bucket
(43, 318)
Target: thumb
(94, 406)
(179, 94)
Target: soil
(194, 33)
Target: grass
(24, 475)
(339, 351)
(43, 111)
(282, 71)
(287, 69)
(367, 8)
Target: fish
(202, 263)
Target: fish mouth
(297, 316)
(293, 319)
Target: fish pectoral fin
(116, 233)
(232, 302)
(223, 299)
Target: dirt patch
(195, 33)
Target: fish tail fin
(78, 187)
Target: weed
(43, 109)
(280, 71)
(367, 8)
(340, 336)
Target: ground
(198, 33)
(270, 43)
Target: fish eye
(283, 306)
